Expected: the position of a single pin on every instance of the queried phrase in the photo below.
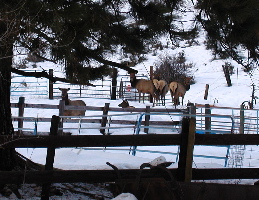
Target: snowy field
(205, 71)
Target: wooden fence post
(151, 72)
(147, 118)
(104, 118)
(50, 85)
(50, 156)
(242, 119)
(21, 106)
(121, 90)
(61, 113)
(226, 72)
(186, 147)
(151, 99)
(183, 149)
(207, 119)
(114, 84)
(251, 104)
(80, 90)
(206, 91)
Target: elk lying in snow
(179, 89)
(161, 89)
(69, 102)
(143, 86)
(125, 104)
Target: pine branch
(93, 54)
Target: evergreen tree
(231, 26)
(78, 34)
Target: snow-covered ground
(205, 71)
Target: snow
(125, 196)
(205, 71)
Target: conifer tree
(232, 26)
(78, 34)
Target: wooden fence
(28, 85)
(115, 88)
(101, 119)
(208, 118)
(237, 120)
(187, 139)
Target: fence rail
(187, 139)
(103, 118)
(236, 120)
(29, 85)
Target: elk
(143, 86)
(125, 104)
(161, 89)
(179, 89)
(69, 102)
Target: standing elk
(179, 89)
(161, 90)
(143, 86)
(69, 102)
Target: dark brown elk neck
(185, 81)
(65, 98)
(134, 82)
(184, 84)
(187, 87)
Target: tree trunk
(7, 156)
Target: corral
(224, 129)
(190, 127)
(184, 172)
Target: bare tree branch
(44, 74)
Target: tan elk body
(143, 86)
(178, 89)
(161, 89)
(69, 102)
